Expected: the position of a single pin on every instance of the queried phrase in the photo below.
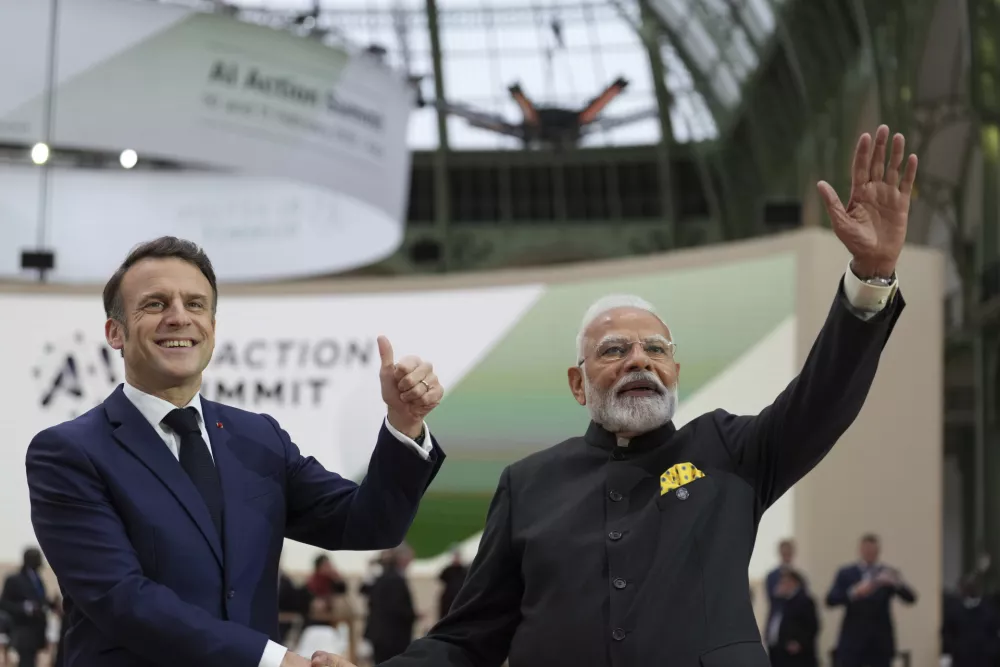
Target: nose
(637, 359)
(176, 315)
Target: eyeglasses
(610, 351)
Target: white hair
(605, 304)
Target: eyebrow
(163, 296)
(614, 338)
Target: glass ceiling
(561, 53)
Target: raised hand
(324, 659)
(872, 226)
(410, 389)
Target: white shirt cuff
(424, 450)
(865, 297)
(274, 655)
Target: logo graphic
(75, 374)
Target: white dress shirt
(154, 409)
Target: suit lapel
(137, 435)
(233, 479)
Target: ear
(677, 370)
(575, 376)
(114, 333)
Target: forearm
(813, 412)
(152, 622)
(332, 513)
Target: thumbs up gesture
(409, 388)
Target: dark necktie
(196, 460)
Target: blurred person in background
(163, 514)
(792, 630)
(452, 577)
(391, 613)
(325, 581)
(786, 554)
(25, 601)
(970, 634)
(866, 590)
(629, 546)
(329, 591)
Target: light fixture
(129, 158)
(40, 153)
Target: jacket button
(618, 455)
(619, 583)
(618, 634)
(614, 535)
(615, 496)
(231, 594)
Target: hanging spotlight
(129, 158)
(40, 153)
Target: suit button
(231, 594)
(614, 535)
(620, 583)
(618, 634)
(615, 496)
(618, 455)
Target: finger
(909, 175)
(895, 160)
(420, 390)
(878, 156)
(432, 397)
(385, 351)
(406, 366)
(411, 382)
(834, 207)
(862, 161)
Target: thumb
(385, 352)
(834, 207)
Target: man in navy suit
(786, 552)
(163, 514)
(866, 590)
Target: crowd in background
(317, 614)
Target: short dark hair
(320, 560)
(161, 248)
(871, 538)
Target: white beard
(631, 414)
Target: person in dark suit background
(866, 590)
(451, 577)
(791, 632)
(970, 631)
(786, 555)
(25, 600)
(391, 614)
(163, 514)
(629, 546)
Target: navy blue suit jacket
(866, 630)
(147, 579)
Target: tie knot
(183, 421)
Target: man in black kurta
(629, 547)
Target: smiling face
(168, 333)
(628, 376)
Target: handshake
(319, 659)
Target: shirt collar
(154, 408)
